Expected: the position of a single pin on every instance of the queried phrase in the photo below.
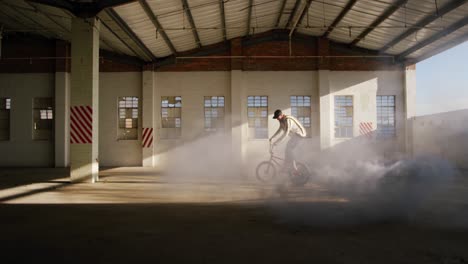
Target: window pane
(385, 116)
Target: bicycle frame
(275, 159)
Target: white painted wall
(364, 86)
(278, 86)
(21, 150)
(192, 86)
(443, 135)
(114, 152)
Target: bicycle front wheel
(266, 172)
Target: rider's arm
(276, 133)
(283, 137)
(303, 132)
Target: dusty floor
(137, 216)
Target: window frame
(218, 119)
(345, 127)
(379, 133)
(301, 109)
(263, 111)
(175, 131)
(7, 108)
(38, 110)
(133, 134)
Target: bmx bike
(267, 171)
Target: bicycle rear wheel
(266, 172)
(301, 176)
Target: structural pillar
(238, 111)
(84, 108)
(326, 106)
(147, 138)
(62, 105)
(62, 117)
(410, 106)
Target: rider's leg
(289, 159)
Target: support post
(84, 110)
(62, 105)
(326, 106)
(147, 139)
(410, 106)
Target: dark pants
(292, 144)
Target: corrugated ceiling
(51, 22)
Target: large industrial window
(386, 116)
(43, 119)
(171, 116)
(257, 111)
(128, 118)
(343, 116)
(214, 113)
(5, 106)
(300, 109)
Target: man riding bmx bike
(289, 126)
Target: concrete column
(238, 122)
(410, 106)
(148, 118)
(84, 112)
(62, 117)
(326, 109)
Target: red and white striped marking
(81, 124)
(365, 129)
(147, 138)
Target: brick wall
(266, 44)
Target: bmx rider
(289, 126)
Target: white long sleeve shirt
(288, 125)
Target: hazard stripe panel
(365, 129)
(147, 138)
(81, 124)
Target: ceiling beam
(249, 16)
(278, 20)
(119, 38)
(14, 21)
(223, 19)
(337, 20)
(56, 3)
(83, 9)
(39, 10)
(394, 7)
(446, 46)
(48, 33)
(192, 23)
(121, 23)
(304, 11)
(454, 27)
(156, 24)
(452, 5)
(102, 4)
(291, 16)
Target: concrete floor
(136, 215)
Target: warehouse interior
(134, 130)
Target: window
(5, 106)
(171, 116)
(43, 119)
(128, 118)
(386, 116)
(300, 109)
(214, 113)
(343, 116)
(257, 111)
